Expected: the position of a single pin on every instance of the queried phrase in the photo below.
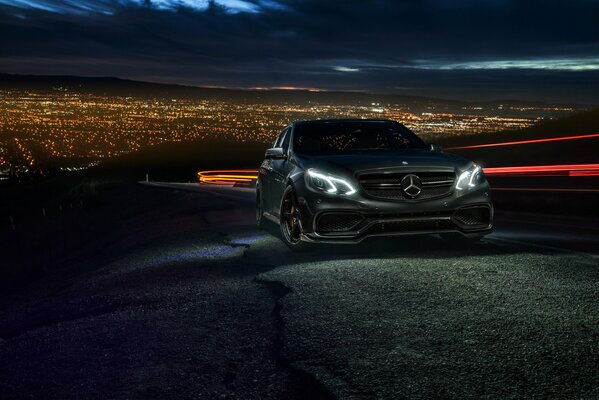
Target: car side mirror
(275, 152)
(436, 147)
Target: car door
(266, 177)
(281, 167)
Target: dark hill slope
(180, 161)
(567, 152)
(576, 124)
(109, 86)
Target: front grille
(388, 186)
(338, 222)
(472, 216)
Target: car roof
(328, 121)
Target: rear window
(353, 137)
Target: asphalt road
(189, 300)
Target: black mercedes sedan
(342, 181)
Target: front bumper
(334, 219)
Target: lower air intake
(338, 222)
(473, 216)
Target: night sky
(462, 49)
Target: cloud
(431, 46)
(548, 64)
(64, 6)
(232, 6)
(112, 6)
(346, 69)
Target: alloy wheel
(290, 219)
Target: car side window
(285, 142)
(279, 139)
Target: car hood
(396, 160)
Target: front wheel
(290, 221)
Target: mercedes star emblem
(411, 186)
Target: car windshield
(352, 137)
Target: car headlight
(329, 184)
(470, 178)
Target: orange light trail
(556, 139)
(545, 170)
(228, 177)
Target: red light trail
(508, 189)
(557, 139)
(545, 170)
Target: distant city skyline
(471, 50)
(80, 129)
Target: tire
(461, 240)
(290, 221)
(260, 220)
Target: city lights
(80, 129)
